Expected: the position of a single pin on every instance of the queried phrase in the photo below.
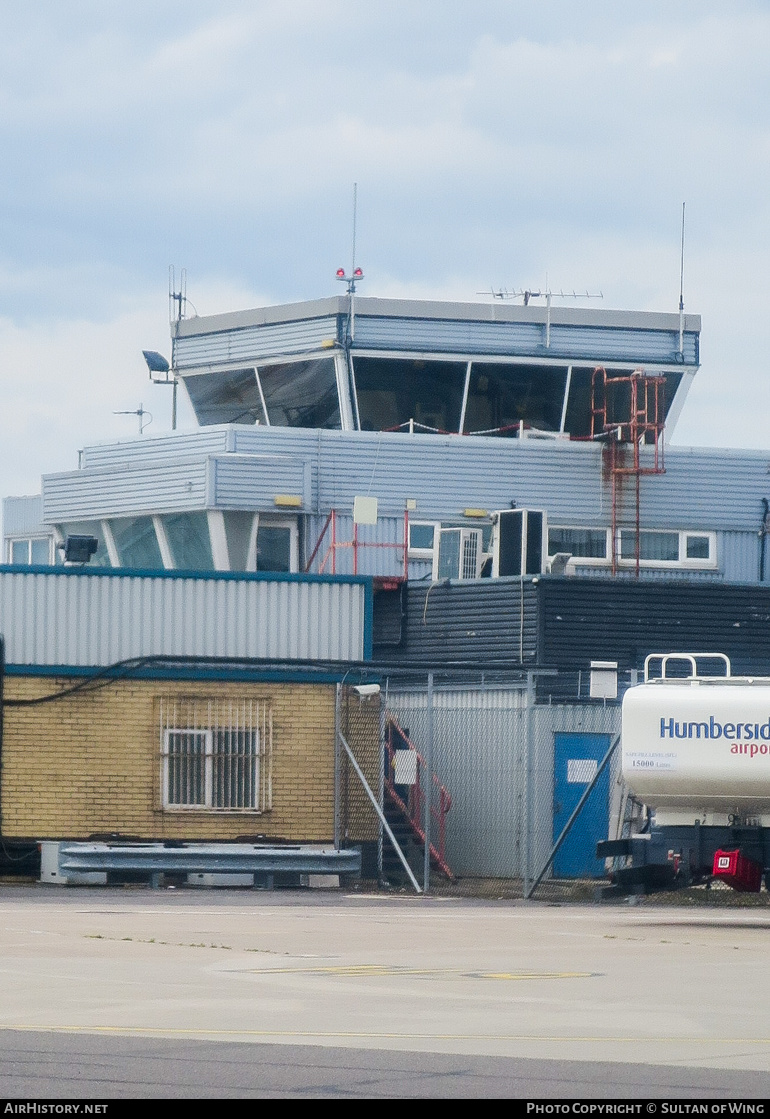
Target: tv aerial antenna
(528, 294)
(141, 412)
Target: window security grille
(216, 754)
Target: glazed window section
(583, 543)
(230, 397)
(661, 547)
(188, 538)
(698, 547)
(31, 550)
(422, 537)
(294, 394)
(238, 530)
(500, 397)
(301, 394)
(392, 392)
(136, 543)
(273, 548)
(223, 767)
(688, 549)
(578, 413)
(657, 548)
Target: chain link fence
(476, 777)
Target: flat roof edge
(83, 570)
(497, 312)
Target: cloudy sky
(500, 144)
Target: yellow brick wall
(360, 724)
(91, 763)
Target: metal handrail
(414, 810)
(691, 658)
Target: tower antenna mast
(356, 274)
(681, 292)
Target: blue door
(575, 761)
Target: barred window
(216, 755)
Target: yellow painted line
(442, 973)
(159, 1031)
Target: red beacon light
(341, 274)
(358, 274)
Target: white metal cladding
(156, 448)
(738, 556)
(88, 619)
(578, 343)
(480, 755)
(253, 342)
(371, 561)
(22, 515)
(252, 481)
(611, 344)
(446, 474)
(104, 492)
(701, 489)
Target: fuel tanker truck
(695, 748)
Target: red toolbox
(738, 871)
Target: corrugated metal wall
(568, 622)
(738, 556)
(22, 515)
(78, 618)
(480, 754)
(624, 620)
(160, 448)
(576, 343)
(476, 622)
(251, 482)
(445, 336)
(110, 491)
(371, 560)
(701, 490)
(251, 343)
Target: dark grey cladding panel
(478, 622)
(388, 618)
(605, 619)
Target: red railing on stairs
(413, 808)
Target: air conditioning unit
(520, 542)
(459, 554)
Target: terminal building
(500, 477)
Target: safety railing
(413, 807)
(330, 555)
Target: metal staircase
(405, 805)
